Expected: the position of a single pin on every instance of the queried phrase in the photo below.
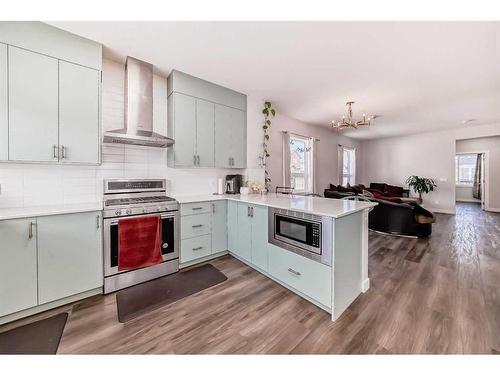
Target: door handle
(30, 229)
(54, 151)
(197, 248)
(296, 273)
(197, 226)
(197, 208)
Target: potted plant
(421, 185)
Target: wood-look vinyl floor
(436, 295)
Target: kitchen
(88, 142)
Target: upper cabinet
(78, 113)
(207, 122)
(49, 95)
(33, 106)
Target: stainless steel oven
(302, 233)
(126, 199)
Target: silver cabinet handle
(296, 273)
(213, 208)
(197, 208)
(194, 159)
(30, 229)
(63, 152)
(198, 159)
(98, 221)
(197, 226)
(197, 248)
(248, 211)
(54, 151)
(251, 211)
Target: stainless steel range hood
(138, 109)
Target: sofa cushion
(357, 189)
(333, 187)
(377, 186)
(367, 193)
(394, 191)
(384, 198)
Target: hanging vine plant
(268, 112)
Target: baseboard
(492, 209)
(48, 306)
(469, 201)
(365, 285)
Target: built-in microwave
(305, 234)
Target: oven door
(169, 244)
(298, 232)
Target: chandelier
(348, 122)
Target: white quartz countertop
(320, 206)
(20, 212)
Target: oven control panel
(316, 235)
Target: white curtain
(340, 158)
(313, 164)
(287, 181)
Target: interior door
(33, 106)
(69, 255)
(78, 113)
(18, 271)
(184, 130)
(205, 133)
(483, 182)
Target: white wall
(326, 157)
(38, 184)
(492, 145)
(432, 154)
(464, 194)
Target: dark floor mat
(41, 337)
(142, 298)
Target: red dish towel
(139, 242)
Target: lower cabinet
(203, 230)
(18, 269)
(232, 226)
(248, 233)
(69, 255)
(48, 258)
(305, 275)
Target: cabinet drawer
(307, 276)
(195, 248)
(195, 208)
(195, 225)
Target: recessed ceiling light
(469, 120)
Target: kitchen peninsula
(245, 226)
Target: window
(301, 164)
(465, 168)
(349, 166)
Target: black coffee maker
(233, 183)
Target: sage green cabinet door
(232, 225)
(243, 246)
(223, 136)
(239, 136)
(33, 106)
(184, 118)
(4, 119)
(69, 255)
(18, 272)
(259, 237)
(205, 133)
(219, 226)
(78, 113)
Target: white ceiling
(420, 76)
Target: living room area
(429, 156)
